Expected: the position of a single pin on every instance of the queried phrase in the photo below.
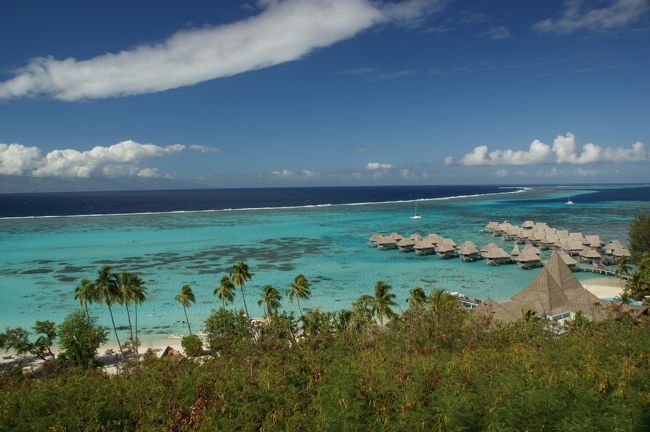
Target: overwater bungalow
(569, 261)
(434, 238)
(446, 250)
(497, 256)
(563, 234)
(528, 225)
(589, 256)
(415, 236)
(515, 251)
(424, 248)
(372, 242)
(612, 246)
(387, 242)
(491, 227)
(620, 253)
(572, 247)
(406, 245)
(536, 237)
(487, 247)
(531, 249)
(502, 228)
(577, 236)
(468, 251)
(549, 241)
(593, 241)
(512, 233)
(396, 236)
(527, 260)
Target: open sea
(49, 242)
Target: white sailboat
(416, 215)
(569, 202)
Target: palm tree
(440, 299)
(300, 290)
(123, 281)
(138, 292)
(109, 293)
(85, 293)
(186, 298)
(239, 275)
(226, 293)
(382, 302)
(270, 300)
(418, 298)
(623, 268)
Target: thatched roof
(449, 242)
(572, 245)
(592, 240)
(406, 242)
(434, 238)
(589, 254)
(569, 261)
(375, 238)
(424, 245)
(415, 236)
(528, 224)
(488, 247)
(172, 354)
(562, 233)
(492, 226)
(575, 236)
(551, 239)
(555, 290)
(527, 256)
(618, 253)
(496, 253)
(613, 245)
(445, 247)
(530, 249)
(515, 251)
(387, 240)
(467, 248)
(396, 236)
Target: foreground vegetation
(434, 368)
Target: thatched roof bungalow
(515, 251)
(568, 260)
(589, 256)
(387, 242)
(496, 256)
(424, 248)
(527, 260)
(406, 245)
(446, 249)
(468, 251)
(374, 239)
(612, 246)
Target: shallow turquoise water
(42, 260)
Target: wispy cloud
(358, 71)
(577, 15)
(204, 149)
(119, 159)
(375, 74)
(372, 166)
(563, 151)
(284, 30)
(496, 33)
(362, 149)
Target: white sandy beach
(605, 287)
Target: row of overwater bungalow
(446, 248)
(589, 248)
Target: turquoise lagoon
(43, 259)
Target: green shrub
(192, 345)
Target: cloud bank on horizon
(563, 151)
(120, 159)
(284, 31)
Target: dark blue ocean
(85, 203)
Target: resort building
(555, 294)
(387, 242)
(529, 224)
(415, 236)
(424, 248)
(572, 247)
(446, 249)
(590, 256)
(491, 227)
(434, 238)
(620, 253)
(468, 251)
(612, 246)
(374, 239)
(528, 260)
(497, 256)
(487, 247)
(569, 261)
(406, 245)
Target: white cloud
(576, 172)
(119, 159)
(575, 16)
(15, 159)
(285, 30)
(448, 160)
(204, 149)
(285, 173)
(538, 153)
(378, 166)
(563, 151)
(148, 172)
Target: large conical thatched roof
(515, 251)
(467, 248)
(556, 290)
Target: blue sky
(290, 92)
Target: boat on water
(569, 202)
(415, 214)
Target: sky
(326, 92)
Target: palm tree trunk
(128, 315)
(241, 288)
(87, 313)
(136, 342)
(110, 309)
(299, 308)
(223, 305)
(187, 319)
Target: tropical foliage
(186, 298)
(79, 339)
(270, 300)
(239, 274)
(639, 236)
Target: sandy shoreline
(604, 287)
